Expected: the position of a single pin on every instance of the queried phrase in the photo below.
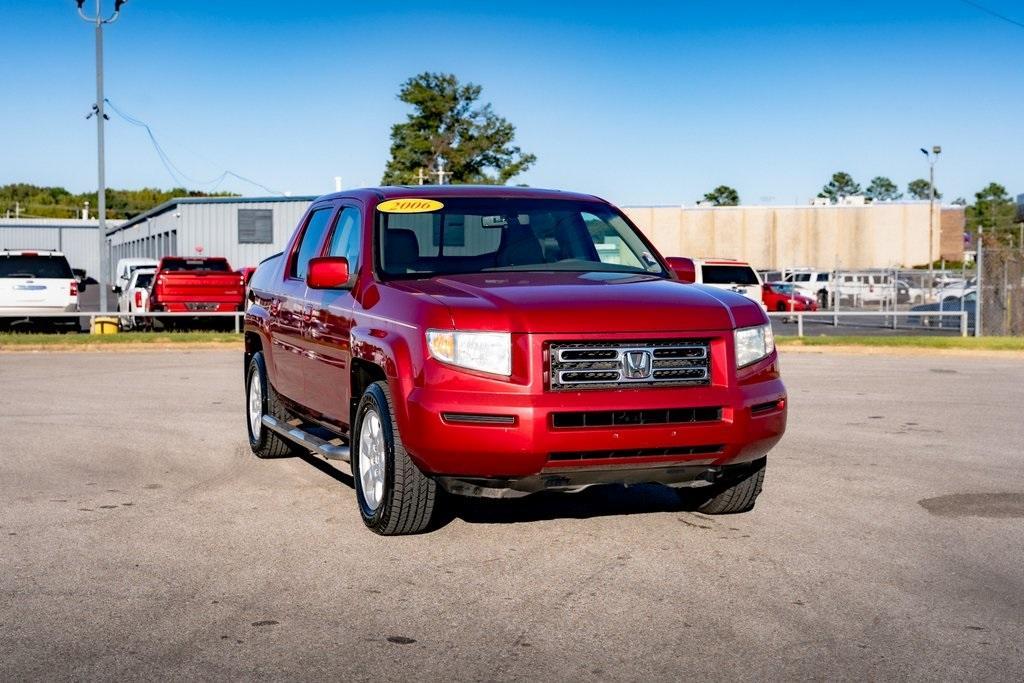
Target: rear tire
(261, 399)
(394, 496)
(738, 495)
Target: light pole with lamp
(97, 111)
(932, 157)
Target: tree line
(34, 201)
(993, 209)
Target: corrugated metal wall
(78, 242)
(214, 229)
(211, 229)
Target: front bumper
(526, 452)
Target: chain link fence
(1001, 301)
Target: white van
(125, 267)
(34, 282)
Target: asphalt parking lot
(140, 539)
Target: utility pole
(97, 111)
(440, 172)
(932, 158)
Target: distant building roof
(176, 201)
(55, 223)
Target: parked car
(125, 268)
(968, 302)
(485, 341)
(183, 285)
(246, 274)
(909, 293)
(956, 289)
(135, 299)
(784, 296)
(859, 288)
(814, 284)
(728, 274)
(34, 283)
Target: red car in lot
(783, 296)
(496, 341)
(195, 285)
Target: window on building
(255, 226)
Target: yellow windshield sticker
(410, 205)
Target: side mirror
(82, 285)
(328, 272)
(116, 289)
(683, 268)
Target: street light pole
(932, 158)
(101, 117)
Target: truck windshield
(37, 266)
(215, 265)
(472, 235)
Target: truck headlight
(753, 344)
(483, 351)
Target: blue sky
(639, 103)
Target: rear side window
(312, 238)
(38, 266)
(729, 275)
(207, 264)
(144, 280)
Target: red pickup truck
(497, 341)
(185, 284)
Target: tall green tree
(993, 210)
(882, 189)
(448, 122)
(723, 195)
(841, 185)
(918, 189)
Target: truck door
(290, 308)
(328, 331)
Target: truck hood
(565, 303)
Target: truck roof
(484, 191)
(30, 252)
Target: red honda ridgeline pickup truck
(497, 341)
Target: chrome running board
(328, 449)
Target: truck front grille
(611, 365)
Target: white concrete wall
(769, 237)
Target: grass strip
(910, 342)
(15, 339)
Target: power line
(177, 175)
(995, 14)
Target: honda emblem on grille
(636, 364)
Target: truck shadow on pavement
(597, 501)
(606, 500)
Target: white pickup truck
(34, 283)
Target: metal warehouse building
(244, 230)
(76, 238)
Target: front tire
(739, 495)
(261, 399)
(394, 496)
